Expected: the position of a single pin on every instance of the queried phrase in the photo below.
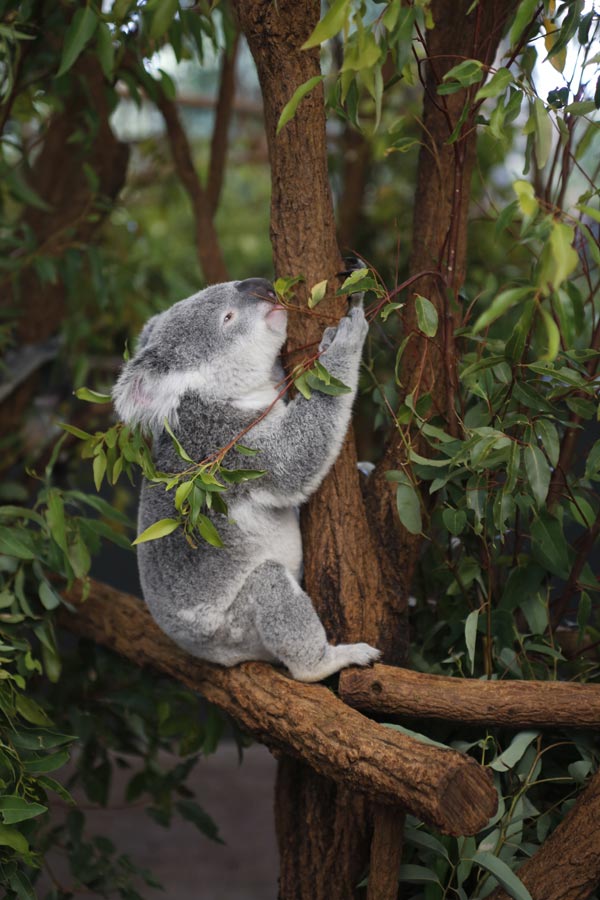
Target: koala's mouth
(276, 315)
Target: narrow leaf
(79, 32)
(332, 22)
(504, 875)
(289, 110)
(538, 473)
(471, 637)
(159, 529)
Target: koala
(210, 366)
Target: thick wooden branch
(567, 865)
(445, 788)
(518, 704)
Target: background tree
(479, 384)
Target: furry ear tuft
(134, 394)
(145, 394)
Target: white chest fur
(271, 533)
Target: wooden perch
(567, 865)
(446, 789)
(519, 704)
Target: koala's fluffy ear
(135, 393)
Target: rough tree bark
(341, 569)
(516, 704)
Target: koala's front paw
(353, 328)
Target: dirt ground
(189, 866)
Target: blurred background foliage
(98, 233)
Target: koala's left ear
(137, 396)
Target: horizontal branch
(518, 704)
(446, 789)
(567, 865)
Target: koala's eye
(228, 317)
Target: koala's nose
(257, 288)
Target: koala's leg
(289, 628)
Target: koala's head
(221, 343)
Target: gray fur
(211, 379)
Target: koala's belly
(270, 533)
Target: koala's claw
(327, 339)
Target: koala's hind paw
(360, 654)
(334, 659)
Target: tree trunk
(341, 570)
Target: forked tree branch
(516, 704)
(220, 134)
(207, 243)
(447, 789)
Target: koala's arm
(300, 443)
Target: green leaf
(496, 85)
(417, 837)
(467, 72)
(427, 317)
(90, 396)
(15, 809)
(543, 132)
(417, 874)
(163, 14)
(55, 517)
(76, 432)
(407, 501)
(194, 813)
(538, 473)
(317, 292)
(209, 532)
(105, 50)
(49, 598)
(31, 711)
(82, 27)
(514, 752)
(246, 451)
(501, 304)
(548, 434)
(454, 520)
(180, 451)
(471, 623)
(23, 191)
(549, 546)
(559, 259)
(99, 468)
(158, 530)
(10, 837)
(45, 764)
(332, 22)
(525, 14)
(15, 544)
(503, 874)
(289, 110)
(526, 198)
